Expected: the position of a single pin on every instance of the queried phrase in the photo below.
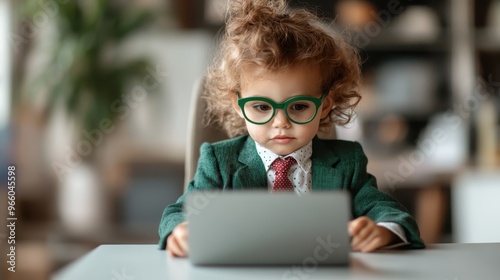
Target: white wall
(160, 121)
(475, 206)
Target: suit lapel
(324, 174)
(251, 172)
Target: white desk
(145, 262)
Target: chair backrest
(198, 132)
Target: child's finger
(363, 243)
(170, 253)
(372, 245)
(364, 232)
(356, 225)
(173, 247)
(359, 240)
(181, 234)
(355, 244)
(183, 243)
(356, 240)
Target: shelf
(393, 40)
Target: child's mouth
(282, 139)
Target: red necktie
(281, 167)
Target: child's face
(280, 135)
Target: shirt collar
(302, 156)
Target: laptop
(261, 228)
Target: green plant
(85, 73)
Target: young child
(279, 78)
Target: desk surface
(439, 261)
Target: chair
(198, 132)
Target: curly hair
(266, 33)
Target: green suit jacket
(336, 165)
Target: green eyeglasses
(298, 109)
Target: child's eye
(299, 107)
(262, 107)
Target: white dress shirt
(301, 177)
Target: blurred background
(95, 95)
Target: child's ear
(327, 105)
(234, 102)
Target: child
(279, 78)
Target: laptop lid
(260, 228)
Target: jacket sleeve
(207, 177)
(377, 205)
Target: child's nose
(280, 119)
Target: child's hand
(177, 241)
(368, 236)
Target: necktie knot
(281, 168)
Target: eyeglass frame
(281, 105)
